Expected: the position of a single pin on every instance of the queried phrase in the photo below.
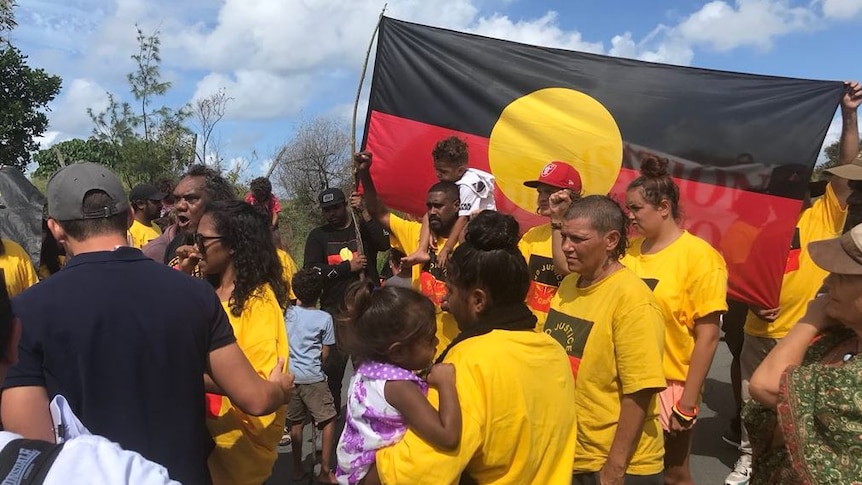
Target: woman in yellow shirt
(610, 325)
(689, 280)
(17, 267)
(240, 260)
(514, 385)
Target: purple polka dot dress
(372, 423)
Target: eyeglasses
(200, 240)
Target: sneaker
(741, 471)
(285, 437)
(732, 437)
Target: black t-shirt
(330, 250)
(125, 340)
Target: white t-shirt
(94, 460)
(476, 189)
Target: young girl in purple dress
(391, 332)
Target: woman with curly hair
(239, 258)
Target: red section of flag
(750, 229)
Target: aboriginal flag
(741, 147)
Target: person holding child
(475, 191)
(514, 386)
(442, 203)
(391, 333)
(312, 336)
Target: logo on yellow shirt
(572, 333)
(651, 282)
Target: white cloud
(69, 110)
(748, 23)
(50, 138)
(259, 94)
(841, 9)
(665, 50)
(542, 31)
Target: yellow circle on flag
(554, 124)
(345, 254)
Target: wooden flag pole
(353, 213)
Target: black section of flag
(713, 119)
(571, 332)
(542, 271)
(651, 282)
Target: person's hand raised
(356, 201)
(559, 203)
(362, 160)
(852, 95)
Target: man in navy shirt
(131, 370)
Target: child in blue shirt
(310, 335)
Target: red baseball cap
(558, 174)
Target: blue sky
(284, 61)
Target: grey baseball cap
(67, 188)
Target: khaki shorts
(311, 399)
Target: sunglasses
(200, 240)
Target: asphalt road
(711, 458)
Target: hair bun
(654, 167)
(492, 230)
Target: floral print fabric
(819, 415)
(372, 423)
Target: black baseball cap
(331, 197)
(146, 192)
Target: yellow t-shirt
(518, 417)
(428, 279)
(288, 266)
(689, 281)
(245, 448)
(535, 245)
(613, 332)
(139, 234)
(17, 268)
(43, 271)
(802, 278)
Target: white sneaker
(285, 437)
(741, 471)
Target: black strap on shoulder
(507, 317)
(27, 462)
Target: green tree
(7, 17)
(831, 153)
(71, 151)
(24, 96)
(145, 80)
(150, 143)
